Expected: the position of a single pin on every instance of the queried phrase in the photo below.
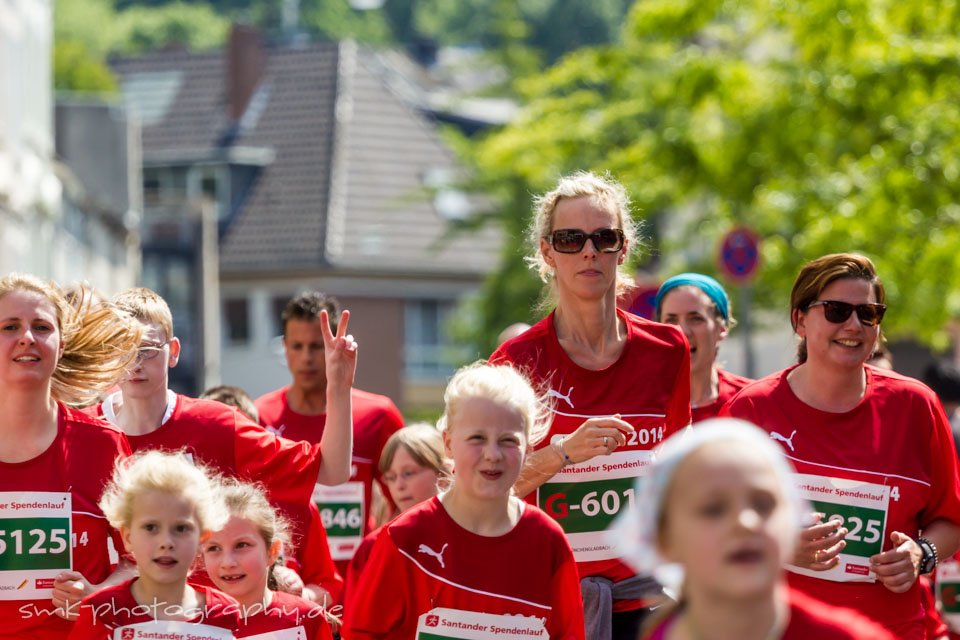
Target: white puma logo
(553, 393)
(788, 441)
(430, 552)
(277, 431)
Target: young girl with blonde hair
(164, 506)
(476, 555)
(240, 558)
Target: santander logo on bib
(432, 621)
(127, 634)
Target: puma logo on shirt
(553, 393)
(430, 552)
(787, 441)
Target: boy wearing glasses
(300, 411)
(154, 417)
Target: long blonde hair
(98, 341)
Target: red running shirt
(77, 465)
(649, 386)
(428, 572)
(728, 386)
(115, 607)
(225, 439)
(286, 612)
(886, 465)
(345, 509)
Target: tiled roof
(345, 187)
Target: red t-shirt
(358, 563)
(810, 619)
(728, 386)
(115, 607)
(78, 464)
(286, 611)
(345, 509)
(886, 465)
(428, 571)
(649, 386)
(311, 552)
(229, 442)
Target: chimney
(246, 63)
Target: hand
(69, 588)
(898, 568)
(316, 593)
(340, 351)
(288, 580)
(596, 437)
(820, 544)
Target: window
(236, 313)
(428, 351)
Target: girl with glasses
(54, 460)
(619, 385)
(872, 450)
(699, 305)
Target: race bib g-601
(35, 543)
(585, 498)
(341, 510)
(171, 630)
(453, 624)
(862, 508)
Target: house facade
(316, 174)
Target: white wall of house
(36, 235)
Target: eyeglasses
(869, 314)
(573, 240)
(406, 475)
(149, 352)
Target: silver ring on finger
(816, 555)
(605, 441)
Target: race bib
(444, 624)
(948, 592)
(342, 513)
(170, 630)
(585, 498)
(862, 507)
(287, 634)
(35, 544)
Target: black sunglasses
(573, 240)
(869, 314)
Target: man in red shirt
(300, 412)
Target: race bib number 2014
(35, 542)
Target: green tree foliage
(87, 31)
(826, 125)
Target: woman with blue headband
(700, 307)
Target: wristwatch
(930, 558)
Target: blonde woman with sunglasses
(872, 450)
(619, 385)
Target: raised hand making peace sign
(340, 351)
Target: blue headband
(708, 285)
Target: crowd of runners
(562, 494)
